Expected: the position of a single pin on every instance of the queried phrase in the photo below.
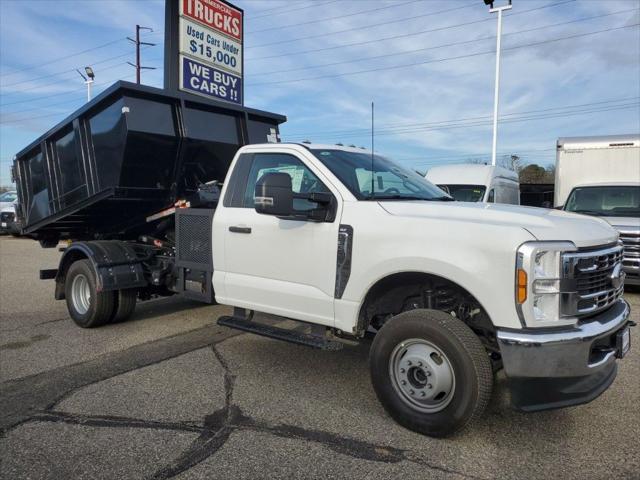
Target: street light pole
(88, 80)
(497, 82)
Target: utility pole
(499, 10)
(137, 42)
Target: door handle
(240, 229)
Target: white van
(477, 183)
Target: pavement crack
(218, 427)
(343, 445)
(113, 421)
(21, 398)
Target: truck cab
(477, 183)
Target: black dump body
(129, 153)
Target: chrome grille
(631, 243)
(590, 281)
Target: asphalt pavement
(169, 394)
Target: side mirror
(274, 195)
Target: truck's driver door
(280, 266)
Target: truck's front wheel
(88, 307)
(430, 372)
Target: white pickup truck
(451, 292)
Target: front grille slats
(631, 245)
(592, 273)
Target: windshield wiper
(410, 197)
(587, 212)
(443, 198)
(398, 197)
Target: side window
(492, 196)
(237, 182)
(303, 180)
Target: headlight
(538, 276)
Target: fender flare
(115, 263)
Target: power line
(406, 65)
(438, 122)
(26, 119)
(50, 96)
(489, 122)
(465, 42)
(289, 10)
(364, 27)
(311, 22)
(471, 155)
(63, 58)
(394, 37)
(100, 62)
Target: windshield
(605, 201)
(465, 193)
(389, 180)
(8, 197)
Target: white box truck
(600, 176)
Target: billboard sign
(202, 79)
(216, 15)
(209, 49)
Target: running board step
(291, 336)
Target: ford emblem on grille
(617, 276)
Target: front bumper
(558, 368)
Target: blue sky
(569, 68)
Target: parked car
(600, 176)
(8, 221)
(477, 183)
(7, 199)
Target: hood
(543, 224)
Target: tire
(464, 373)
(125, 304)
(87, 307)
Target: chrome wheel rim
(81, 294)
(422, 375)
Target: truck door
(279, 266)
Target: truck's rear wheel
(88, 307)
(125, 304)
(430, 372)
